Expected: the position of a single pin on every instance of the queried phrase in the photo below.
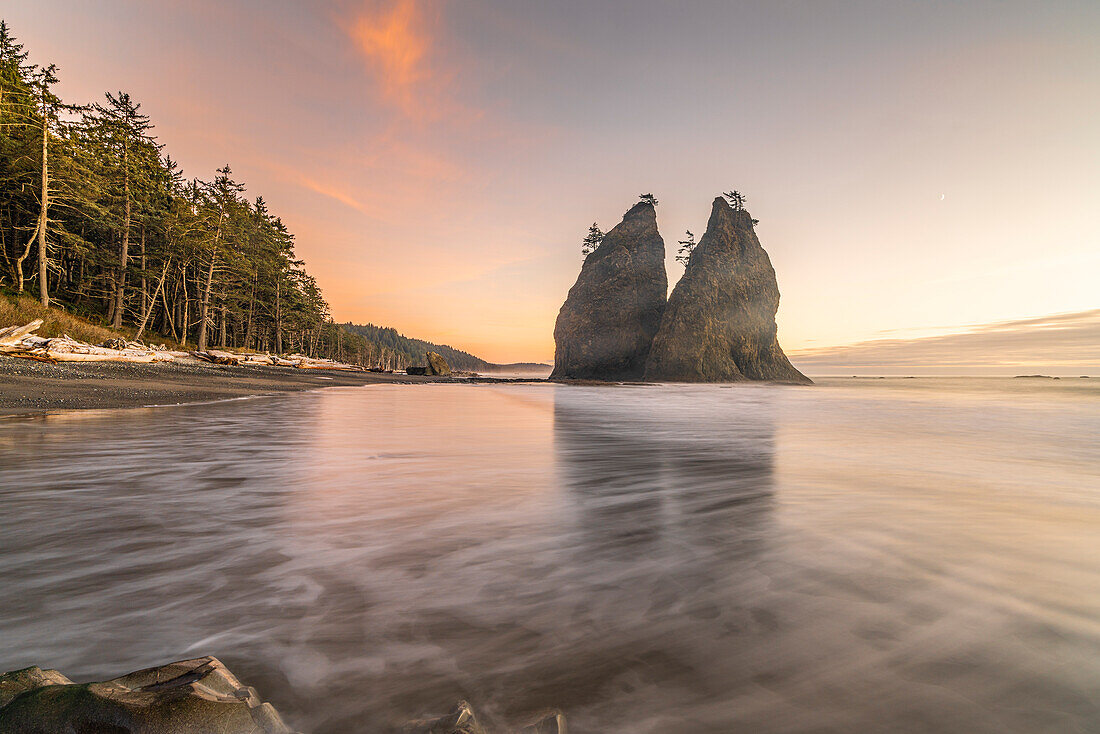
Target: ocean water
(859, 556)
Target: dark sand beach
(28, 387)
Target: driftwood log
(20, 341)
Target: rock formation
(605, 328)
(719, 324)
(197, 696)
(436, 364)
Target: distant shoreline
(29, 388)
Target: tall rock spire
(719, 324)
(606, 325)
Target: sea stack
(606, 325)
(719, 324)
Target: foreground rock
(605, 328)
(197, 696)
(719, 324)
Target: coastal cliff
(607, 323)
(719, 323)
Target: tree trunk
(144, 295)
(183, 319)
(168, 311)
(26, 254)
(120, 294)
(205, 309)
(145, 316)
(251, 312)
(43, 213)
(221, 326)
(278, 322)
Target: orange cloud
(397, 43)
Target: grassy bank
(22, 309)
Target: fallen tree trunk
(12, 336)
(216, 357)
(319, 365)
(20, 341)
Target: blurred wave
(903, 556)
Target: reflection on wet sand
(682, 558)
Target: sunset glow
(919, 169)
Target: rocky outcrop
(436, 364)
(719, 324)
(605, 328)
(197, 696)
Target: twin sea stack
(607, 324)
(718, 325)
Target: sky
(920, 169)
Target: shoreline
(30, 388)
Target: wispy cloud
(400, 43)
(1067, 343)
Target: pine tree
(687, 246)
(648, 199)
(592, 240)
(127, 131)
(20, 134)
(736, 200)
(224, 203)
(123, 237)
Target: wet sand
(29, 388)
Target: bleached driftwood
(298, 361)
(216, 356)
(12, 336)
(326, 364)
(20, 341)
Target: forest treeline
(413, 350)
(98, 219)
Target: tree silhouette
(736, 200)
(648, 199)
(687, 246)
(592, 241)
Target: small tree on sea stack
(687, 246)
(648, 199)
(736, 200)
(592, 241)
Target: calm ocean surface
(860, 556)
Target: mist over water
(875, 556)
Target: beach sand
(28, 387)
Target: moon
(941, 197)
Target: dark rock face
(605, 328)
(197, 696)
(719, 324)
(436, 364)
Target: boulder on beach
(198, 696)
(606, 325)
(436, 364)
(719, 324)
